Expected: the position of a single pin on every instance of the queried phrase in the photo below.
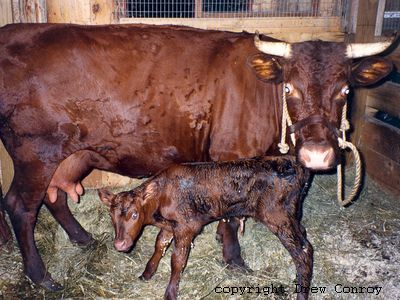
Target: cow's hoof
(86, 242)
(49, 284)
(91, 244)
(242, 267)
(7, 245)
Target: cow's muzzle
(312, 155)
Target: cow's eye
(134, 215)
(345, 91)
(288, 88)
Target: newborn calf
(183, 198)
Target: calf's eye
(134, 215)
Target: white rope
(343, 144)
(286, 121)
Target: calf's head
(317, 77)
(127, 216)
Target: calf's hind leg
(287, 229)
(163, 241)
(227, 232)
(64, 217)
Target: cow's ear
(370, 70)
(106, 197)
(266, 67)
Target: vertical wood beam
(365, 32)
(5, 12)
(29, 11)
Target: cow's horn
(356, 50)
(274, 48)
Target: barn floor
(354, 247)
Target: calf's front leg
(288, 229)
(163, 241)
(182, 244)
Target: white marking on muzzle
(316, 159)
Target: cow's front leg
(163, 241)
(227, 230)
(182, 243)
(64, 217)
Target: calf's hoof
(145, 277)
(219, 237)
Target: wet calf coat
(183, 198)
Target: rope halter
(343, 144)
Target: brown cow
(183, 198)
(132, 99)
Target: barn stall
(354, 247)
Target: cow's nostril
(306, 156)
(328, 155)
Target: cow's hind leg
(22, 203)
(163, 241)
(287, 228)
(5, 232)
(63, 215)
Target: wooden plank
(101, 12)
(5, 12)
(379, 17)
(291, 29)
(384, 171)
(72, 11)
(198, 8)
(365, 30)
(29, 11)
(382, 138)
(6, 169)
(385, 98)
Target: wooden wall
(378, 141)
(5, 12)
(80, 11)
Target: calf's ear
(267, 68)
(370, 70)
(105, 196)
